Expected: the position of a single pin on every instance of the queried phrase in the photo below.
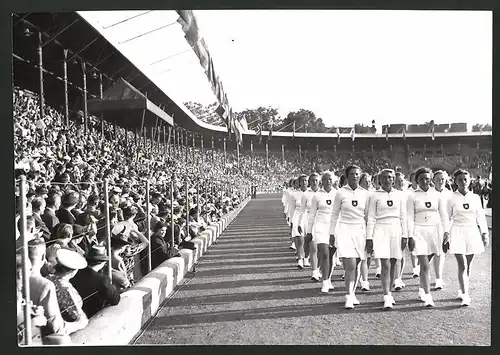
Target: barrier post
(26, 283)
(187, 207)
(172, 224)
(148, 224)
(198, 199)
(108, 227)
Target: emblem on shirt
(354, 203)
(390, 203)
(428, 204)
(466, 206)
(328, 202)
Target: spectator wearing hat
(68, 203)
(95, 288)
(37, 206)
(70, 301)
(119, 241)
(61, 237)
(53, 202)
(42, 192)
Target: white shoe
(428, 301)
(343, 276)
(439, 284)
(421, 294)
(326, 287)
(399, 284)
(349, 302)
(378, 272)
(365, 286)
(416, 272)
(460, 295)
(293, 246)
(316, 276)
(307, 262)
(300, 264)
(465, 300)
(388, 302)
(355, 300)
(330, 285)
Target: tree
(361, 128)
(206, 114)
(304, 120)
(478, 127)
(261, 115)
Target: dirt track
(247, 290)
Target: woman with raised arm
(469, 230)
(310, 252)
(318, 228)
(386, 234)
(295, 203)
(427, 222)
(349, 236)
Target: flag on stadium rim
(271, 124)
(338, 135)
(293, 133)
(386, 133)
(404, 132)
(353, 134)
(432, 131)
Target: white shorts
(465, 240)
(428, 240)
(350, 240)
(387, 241)
(321, 233)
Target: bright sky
(345, 66)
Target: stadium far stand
(104, 199)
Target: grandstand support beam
(65, 78)
(300, 151)
(213, 150)
(224, 152)
(26, 268)
(148, 223)
(85, 112)
(202, 151)
(101, 95)
(238, 154)
(283, 154)
(194, 146)
(84, 48)
(267, 154)
(40, 71)
(172, 223)
(60, 32)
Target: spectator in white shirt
(465, 239)
(439, 179)
(386, 233)
(427, 220)
(349, 236)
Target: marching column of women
(344, 218)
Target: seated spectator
(37, 206)
(95, 288)
(70, 301)
(119, 241)
(68, 203)
(160, 246)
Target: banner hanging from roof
(197, 42)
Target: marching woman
(439, 179)
(365, 183)
(318, 228)
(294, 206)
(349, 236)
(428, 224)
(376, 186)
(386, 234)
(310, 252)
(465, 239)
(289, 192)
(400, 185)
(414, 260)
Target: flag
(251, 147)
(293, 134)
(338, 135)
(353, 134)
(189, 25)
(238, 131)
(244, 123)
(432, 131)
(259, 132)
(271, 123)
(404, 132)
(386, 133)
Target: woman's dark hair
(159, 225)
(460, 172)
(343, 180)
(421, 171)
(349, 168)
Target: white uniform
(466, 215)
(286, 193)
(293, 205)
(427, 221)
(320, 216)
(349, 211)
(386, 223)
(304, 209)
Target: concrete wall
(118, 325)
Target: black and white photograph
(253, 177)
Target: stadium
(110, 166)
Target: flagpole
(238, 154)
(224, 152)
(283, 154)
(300, 151)
(267, 154)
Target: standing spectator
(37, 206)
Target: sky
(346, 66)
